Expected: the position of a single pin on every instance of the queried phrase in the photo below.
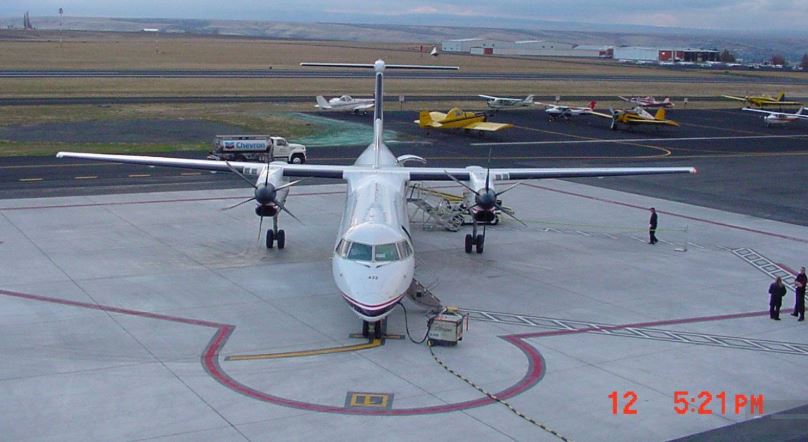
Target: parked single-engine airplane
(637, 117)
(779, 118)
(649, 102)
(765, 100)
(559, 111)
(457, 119)
(345, 103)
(373, 263)
(498, 103)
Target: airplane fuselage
(373, 263)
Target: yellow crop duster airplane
(637, 117)
(765, 100)
(457, 119)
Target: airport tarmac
(125, 317)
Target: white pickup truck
(256, 148)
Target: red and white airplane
(649, 101)
(779, 118)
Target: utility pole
(61, 11)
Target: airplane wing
(299, 170)
(415, 173)
(749, 109)
(487, 97)
(600, 114)
(365, 106)
(488, 127)
(734, 98)
(659, 122)
(439, 174)
(624, 99)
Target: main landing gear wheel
(280, 237)
(480, 242)
(271, 239)
(469, 243)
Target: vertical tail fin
(322, 103)
(660, 114)
(424, 119)
(799, 112)
(378, 113)
(592, 104)
(529, 99)
(782, 96)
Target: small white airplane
(434, 51)
(498, 103)
(373, 262)
(345, 103)
(559, 111)
(650, 102)
(779, 118)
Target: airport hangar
(156, 315)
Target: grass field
(146, 51)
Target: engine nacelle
(485, 216)
(267, 210)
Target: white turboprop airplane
(345, 103)
(498, 103)
(373, 260)
(779, 118)
(559, 111)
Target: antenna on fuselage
(378, 100)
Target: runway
(713, 78)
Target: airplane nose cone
(265, 194)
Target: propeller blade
(236, 205)
(488, 168)
(512, 216)
(260, 227)
(509, 188)
(460, 182)
(239, 174)
(288, 185)
(291, 214)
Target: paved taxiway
(118, 312)
(744, 167)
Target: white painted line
(88, 177)
(635, 140)
(139, 175)
(25, 180)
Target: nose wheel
(475, 241)
(276, 236)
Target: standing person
(652, 224)
(777, 290)
(799, 288)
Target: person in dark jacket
(799, 288)
(777, 290)
(652, 224)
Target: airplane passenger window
(360, 252)
(385, 252)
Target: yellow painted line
(190, 173)
(87, 177)
(139, 175)
(299, 354)
(25, 180)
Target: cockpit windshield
(359, 252)
(356, 251)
